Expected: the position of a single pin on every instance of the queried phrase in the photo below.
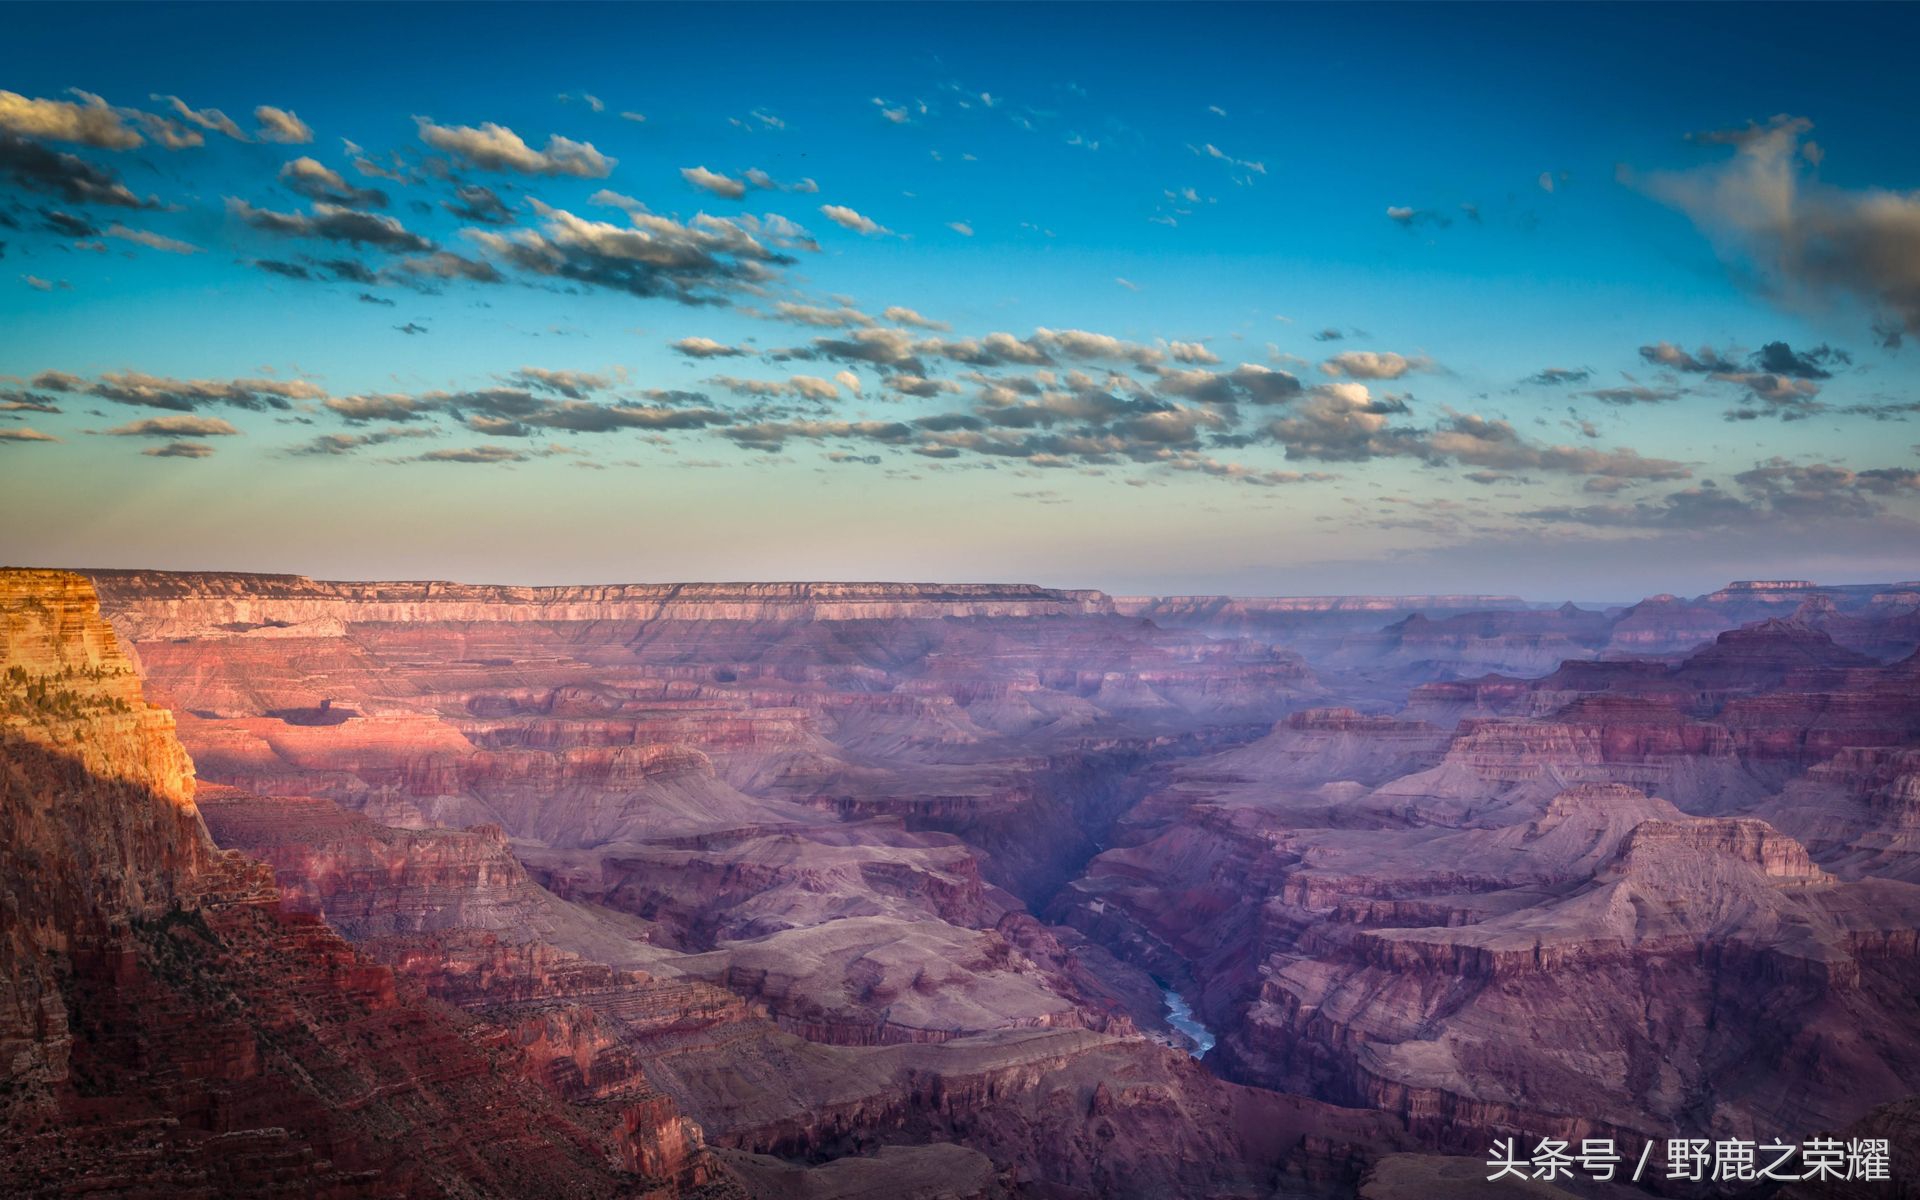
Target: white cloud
(205, 118)
(281, 125)
(1373, 364)
(501, 149)
(1764, 210)
(902, 315)
(706, 347)
(152, 240)
(846, 218)
(713, 181)
(1209, 150)
(92, 122)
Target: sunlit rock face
(71, 687)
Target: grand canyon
(850, 890)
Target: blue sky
(1570, 300)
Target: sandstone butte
(836, 890)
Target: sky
(1558, 300)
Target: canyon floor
(901, 890)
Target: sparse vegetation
(44, 697)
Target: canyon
(837, 890)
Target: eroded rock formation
(1622, 897)
(829, 889)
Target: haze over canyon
(835, 890)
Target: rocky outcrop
(1073, 1113)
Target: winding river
(1180, 1016)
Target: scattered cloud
(1559, 376)
(142, 390)
(181, 426)
(701, 261)
(333, 444)
(473, 454)
(358, 409)
(901, 315)
(1776, 380)
(18, 400)
(846, 218)
(706, 347)
(713, 181)
(1804, 240)
(1209, 150)
(478, 203)
(205, 118)
(1666, 354)
(759, 118)
(497, 148)
(333, 222)
(281, 125)
(1776, 495)
(1408, 217)
(316, 181)
(445, 264)
(34, 167)
(821, 316)
(1373, 364)
(151, 240)
(90, 122)
(1636, 393)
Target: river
(1180, 1016)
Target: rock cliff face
(207, 604)
(169, 1028)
